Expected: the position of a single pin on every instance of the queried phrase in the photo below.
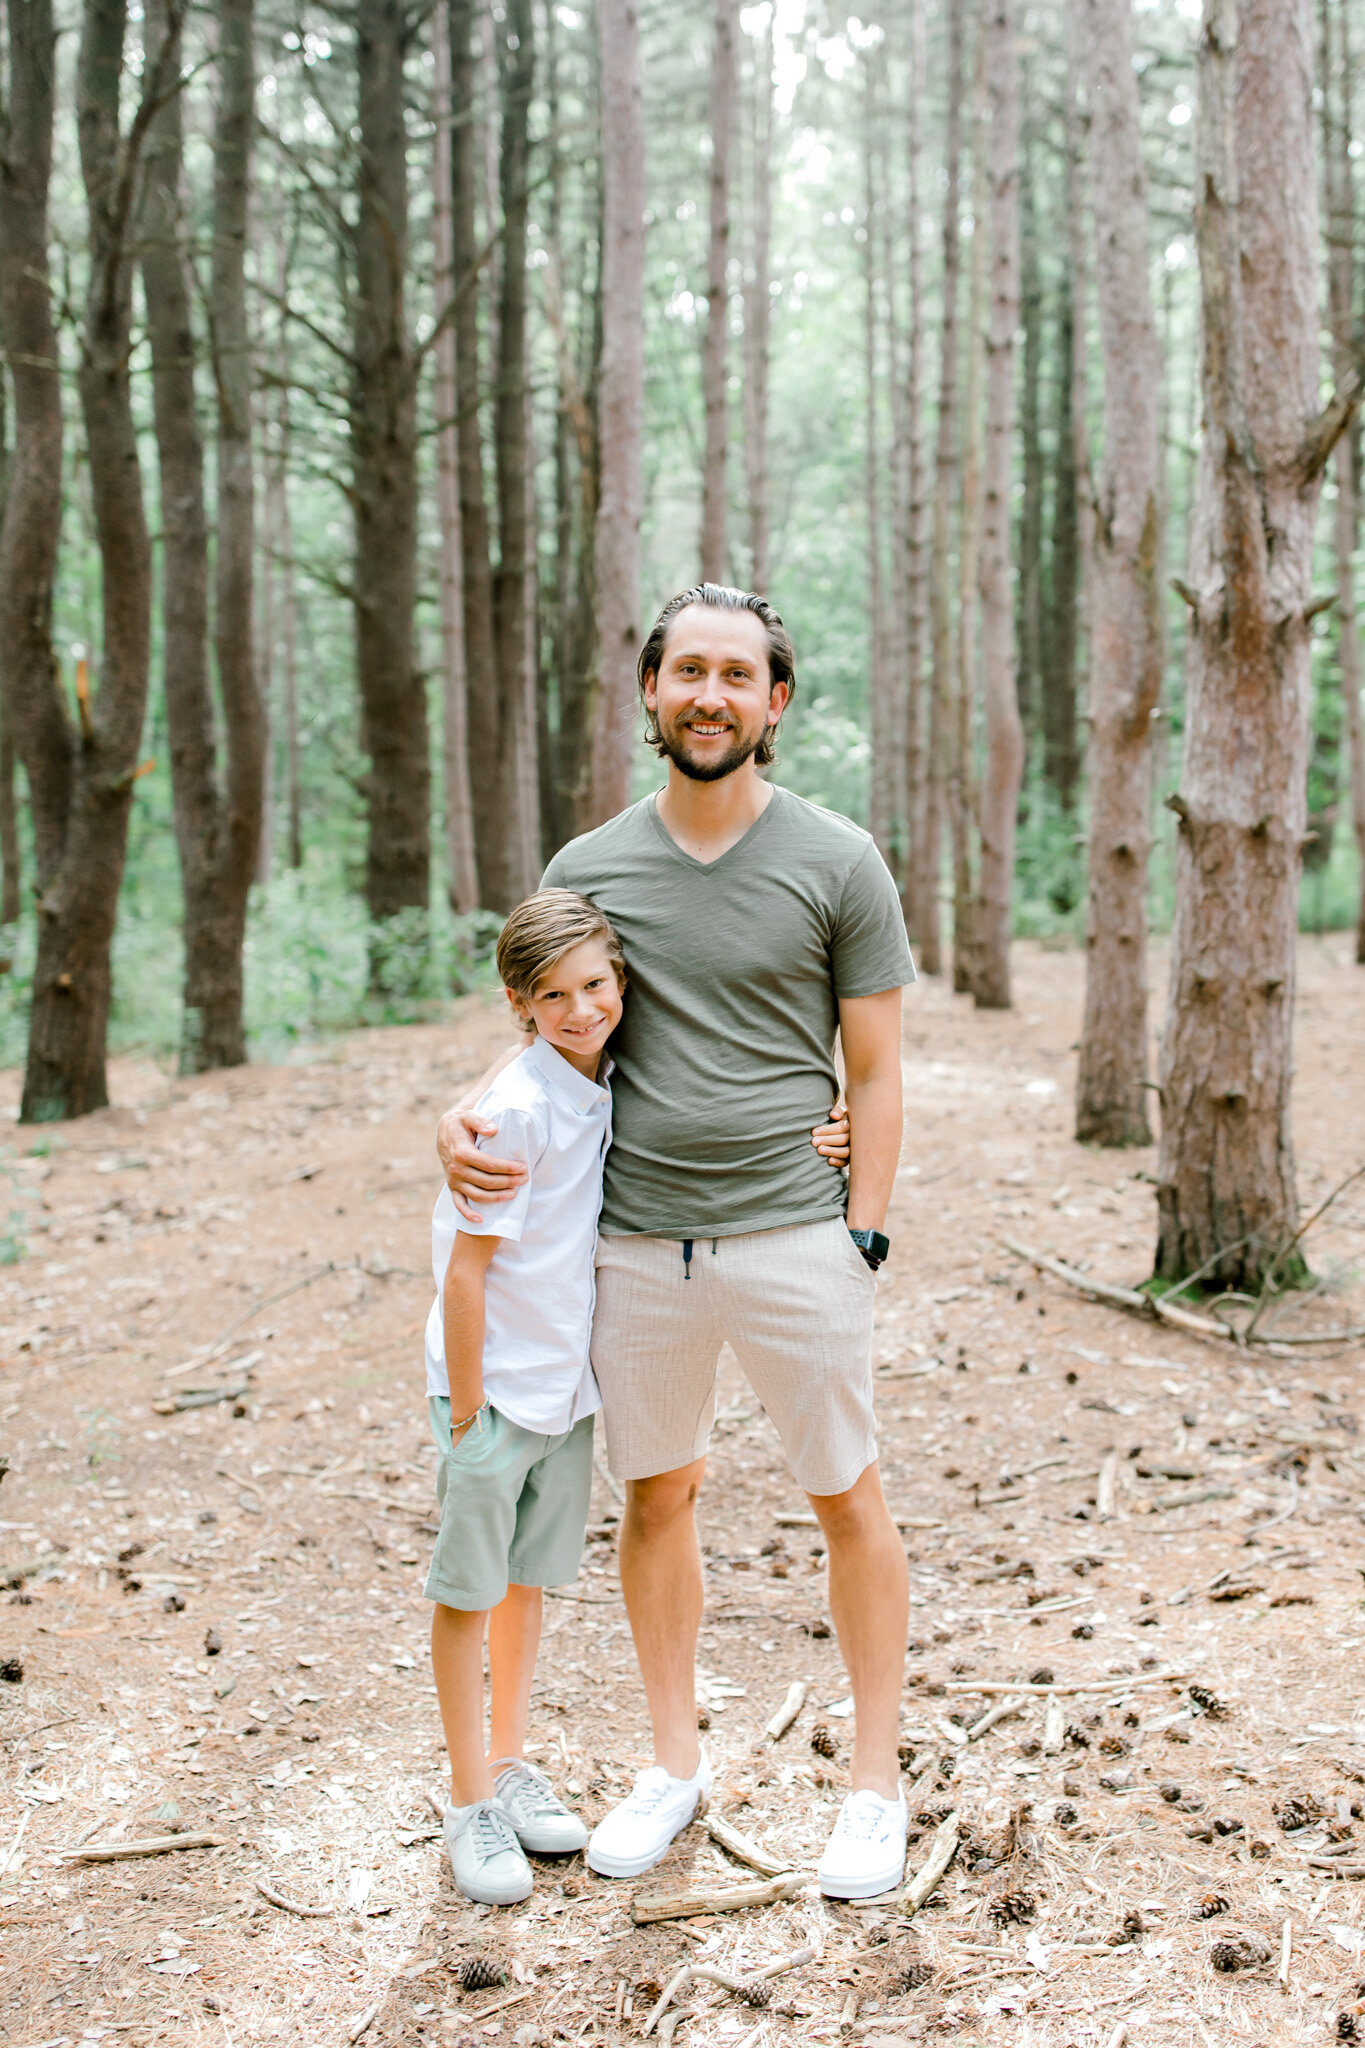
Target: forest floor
(267, 1231)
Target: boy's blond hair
(541, 930)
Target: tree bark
(1339, 179)
(620, 401)
(961, 774)
(69, 1015)
(481, 667)
(34, 714)
(462, 880)
(715, 338)
(384, 481)
(1126, 651)
(1226, 1194)
(916, 492)
(945, 467)
(758, 308)
(879, 680)
(1031, 434)
(1004, 734)
(512, 612)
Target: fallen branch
(1150, 1305)
(799, 1521)
(1249, 1334)
(788, 1711)
(742, 1848)
(13, 1849)
(730, 1899)
(1117, 1684)
(742, 1987)
(501, 2004)
(366, 2020)
(290, 1906)
(1192, 1500)
(1332, 1869)
(941, 1853)
(988, 1720)
(152, 1845)
(1105, 1490)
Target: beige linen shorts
(795, 1306)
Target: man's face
(713, 697)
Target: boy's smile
(576, 1005)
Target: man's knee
(858, 1515)
(665, 1499)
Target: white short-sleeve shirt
(539, 1289)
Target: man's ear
(782, 692)
(651, 689)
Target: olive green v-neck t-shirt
(724, 1057)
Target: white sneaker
(540, 1821)
(636, 1834)
(865, 1855)
(485, 1855)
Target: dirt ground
(219, 1618)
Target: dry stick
(1054, 1728)
(18, 1734)
(1118, 1684)
(152, 1845)
(741, 1986)
(993, 1714)
(1150, 1305)
(1286, 1951)
(501, 2004)
(13, 1848)
(666, 1996)
(1104, 1492)
(268, 1301)
(731, 1899)
(743, 1849)
(366, 2020)
(941, 1853)
(1249, 1333)
(1119, 2035)
(788, 1711)
(290, 1906)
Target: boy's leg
(869, 1604)
(513, 1641)
(457, 1667)
(662, 1584)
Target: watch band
(874, 1246)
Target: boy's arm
(472, 1175)
(463, 1316)
(870, 1030)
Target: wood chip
(788, 1711)
(942, 1850)
(728, 1899)
(153, 1845)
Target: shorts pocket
(477, 1440)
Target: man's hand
(831, 1140)
(471, 1175)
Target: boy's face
(576, 1004)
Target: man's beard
(741, 750)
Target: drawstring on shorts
(687, 1255)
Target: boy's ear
(521, 1009)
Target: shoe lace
(531, 1792)
(488, 1830)
(861, 1819)
(648, 1792)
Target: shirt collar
(564, 1079)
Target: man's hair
(541, 930)
(720, 598)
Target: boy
(511, 1391)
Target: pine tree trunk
(9, 816)
(1060, 758)
(512, 614)
(880, 807)
(384, 481)
(961, 775)
(1126, 649)
(462, 881)
(715, 338)
(1004, 734)
(945, 469)
(758, 309)
(481, 669)
(35, 718)
(916, 482)
(1031, 435)
(1337, 95)
(1226, 1193)
(69, 1015)
(620, 403)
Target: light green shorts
(514, 1508)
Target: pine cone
(822, 1741)
(1242, 1954)
(1210, 1906)
(1299, 1810)
(909, 1979)
(1012, 1907)
(481, 1973)
(1209, 1701)
(757, 1995)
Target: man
(754, 926)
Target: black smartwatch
(873, 1246)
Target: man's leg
(869, 1602)
(661, 1581)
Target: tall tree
(1125, 623)
(32, 712)
(715, 336)
(83, 841)
(961, 775)
(930, 847)
(621, 405)
(758, 304)
(513, 604)
(1226, 1194)
(383, 425)
(462, 880)
(916, 506)
(881, 683)
(1339, 182)
(1004, 733)
(1033, 472)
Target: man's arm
(870, 1031)
(462, 1314)
(472, 1175)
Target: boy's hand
(471, 1175)
(831, 1140)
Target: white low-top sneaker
(540, 1821)
(485, 1855)
(637, 1833)
(865, 1855)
